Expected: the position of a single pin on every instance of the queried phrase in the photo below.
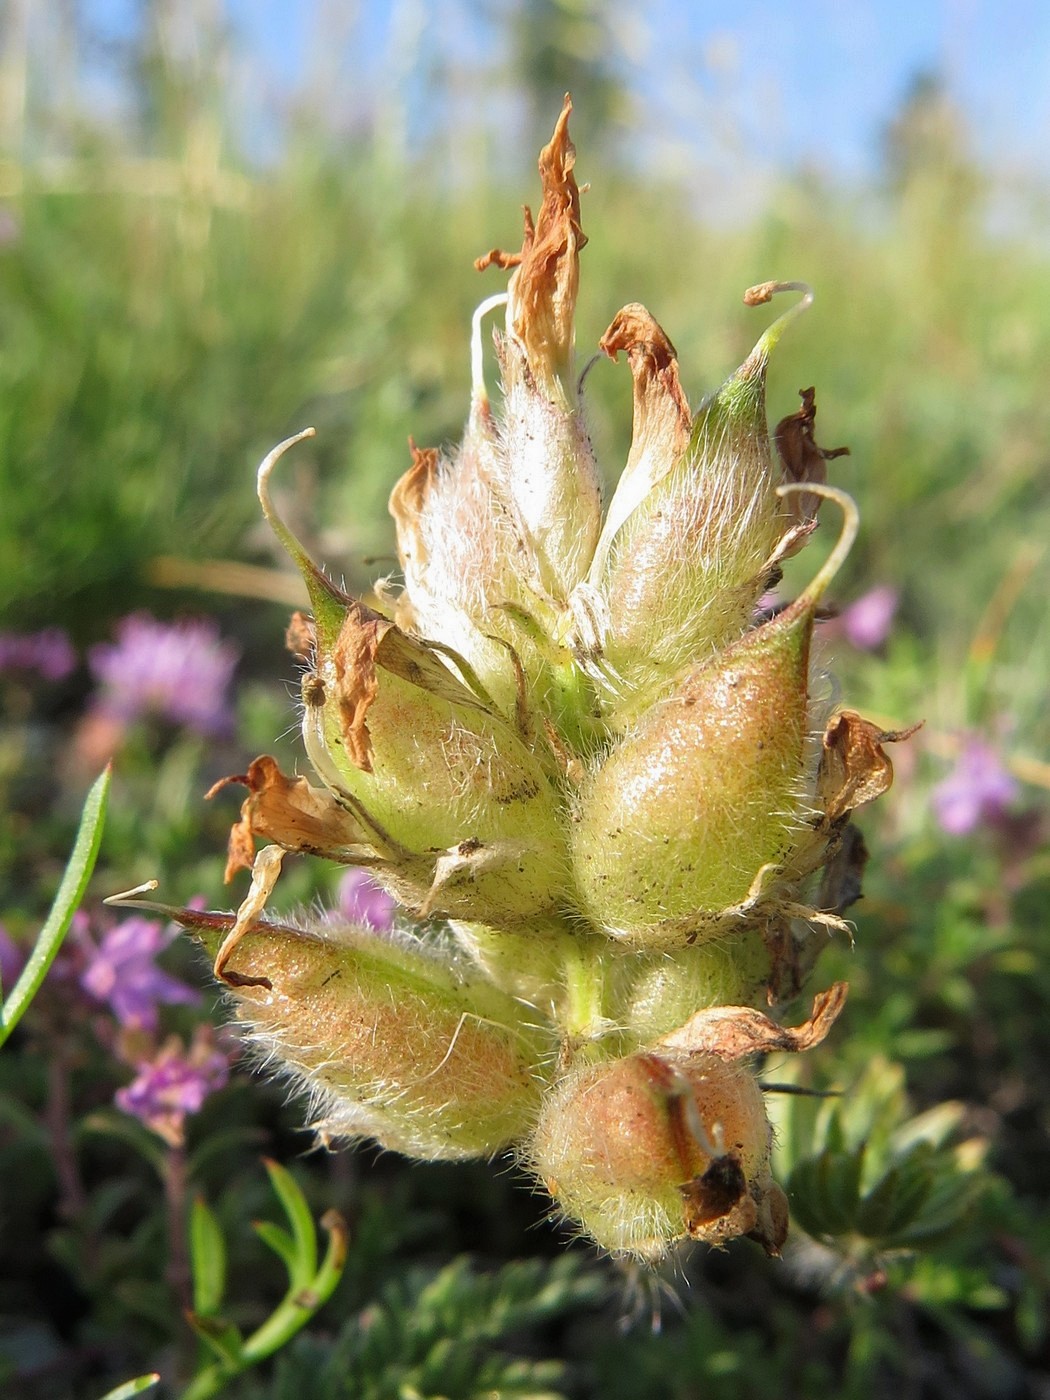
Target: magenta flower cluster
(174, 1083)
(179, 671)
(119, 971)
(122, 973)
(867, 621)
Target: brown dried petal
(732, 1032)
(802, 459)
(407, 503)
(544, 286)
(660, 407)
(291, 813)
(654, 365)
(354, 659)
(662, 421)
(301, 636)
(854, 768)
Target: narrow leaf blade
(70, 892)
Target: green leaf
(839, 1174)
(208, 1260)
(825, 1190)
(280, 1241)
(952, 1196)
(70, 893)
(300, 1303)
(222, 1337)
(803, 1190)
(895, 1202)
(135, 1387)
(301, 1221)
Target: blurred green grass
(166, 322)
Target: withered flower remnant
(604, 789)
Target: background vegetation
(174, 302)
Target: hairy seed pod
(391, 1040)
(652, 1148)
(708, 791)
(681, 817)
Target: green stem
(584, 972)
(292, 1314)
(178, 1274)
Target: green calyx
(707, 796)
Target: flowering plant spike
(597, 777)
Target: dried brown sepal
(854, 767)
(354, 660)
(840, 885)
(734, 1032)
(496, 257)
(266, 870)
(802, 459)
(659, 401)
(544, 286)
(300, 636)
(240, 845)
(407, 502)
(290, 812)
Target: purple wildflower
(50, 653)
(178, 670)
(175, 1083)
(122, 973)
(976, 792)
(866, 623)
(362, 901)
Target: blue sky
(779, 81)
(822, 77)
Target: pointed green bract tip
(739, 406)
(328, 602)
(770, 338)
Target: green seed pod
(438, 771)
(711, 788)
(657, 992)
(651, 1149)
(696, 522)
(680, 819)
(673, 1141)
(461, 812)
(393, 1039)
